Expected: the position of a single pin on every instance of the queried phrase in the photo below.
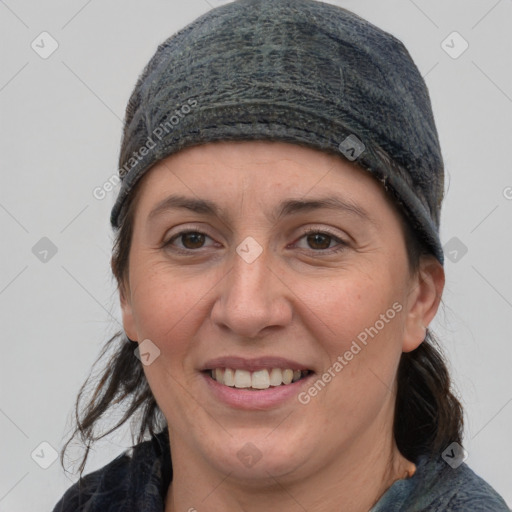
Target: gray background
(60, 133)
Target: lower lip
(241, 398)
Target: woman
(279, 263)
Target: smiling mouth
(257, 380)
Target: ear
(127, 313)
(423, 303)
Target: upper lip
(253, 364)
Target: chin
(258, 458)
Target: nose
(253, 298)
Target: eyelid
(323, 230)
(184, 228)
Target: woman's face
(274, 258)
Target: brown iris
(316, 238)
(192, 240)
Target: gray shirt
(437, 487)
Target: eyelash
(342, 244)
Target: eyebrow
(286, 208)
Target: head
(307, 298)
(346, 293)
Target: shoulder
(456, 490)
(140, 475)
(465, 490)
(83, 492)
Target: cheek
(164, 304)
(169, 310)
(356, 323)
(353, 307)
(160, 299)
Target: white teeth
(287, 376)
(261, 379)
(243, 379)
(276, 377)
(229, 377)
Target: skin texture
(297, 300)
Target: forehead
(259, 172)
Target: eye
(189, 239)
(320, 241)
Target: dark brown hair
(428, 416)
